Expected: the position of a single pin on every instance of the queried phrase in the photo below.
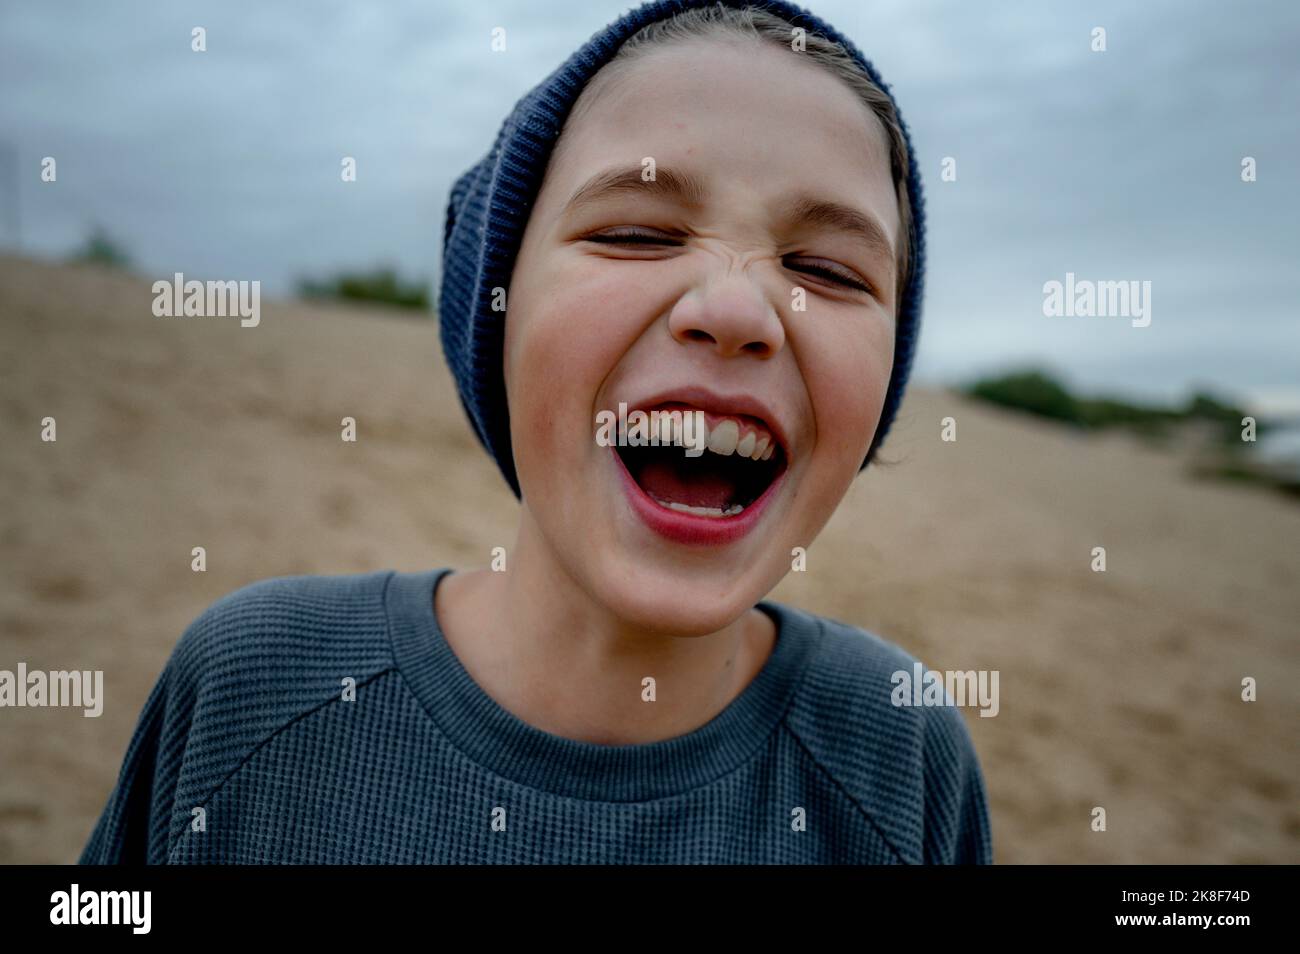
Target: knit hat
(491, 202)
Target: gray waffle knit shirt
(811, 763)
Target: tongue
(705, 487)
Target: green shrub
(1031, 391)
(100, 248)
(1037, 392)
(381, 285)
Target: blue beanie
(489, 209)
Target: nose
(731, 315)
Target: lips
(710, 465)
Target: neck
(550, 654)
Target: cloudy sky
(1122, 165)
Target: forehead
(747, 117)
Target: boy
(715, 214)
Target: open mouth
(741, 460)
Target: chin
(679, 601)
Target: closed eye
(633, 237)
(838, 274)
(819, 267)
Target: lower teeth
(700, 511)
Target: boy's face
(742, 290)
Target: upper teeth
(724, 436)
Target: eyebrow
(837, 217)
(688, 189)
(667, 184)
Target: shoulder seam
(823, 630)
(388, 618)
(847, 794)
(171, 853)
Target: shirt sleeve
(957, 830)
(136, 824)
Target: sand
(1118, 689)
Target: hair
(752, 23)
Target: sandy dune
(1118, 689)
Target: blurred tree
(1033, 391)
(100, 248)
(382, 285)
(1037, 392)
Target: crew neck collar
(504, 744)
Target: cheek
(848, 387)
(564, 335)
(538, 366)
